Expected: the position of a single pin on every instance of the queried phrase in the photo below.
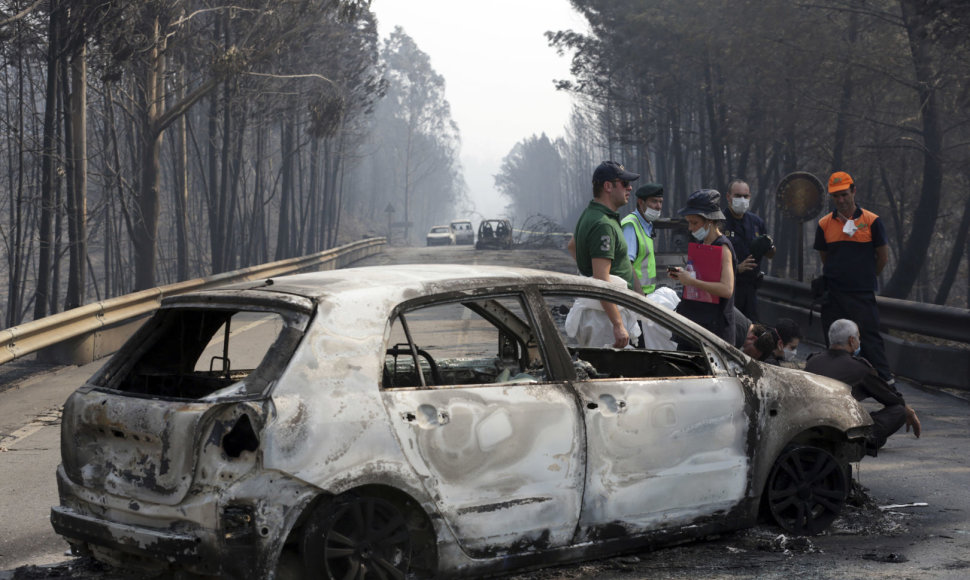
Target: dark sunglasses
(623, 182)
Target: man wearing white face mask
(742, 227)
(639, 234)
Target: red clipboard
(706, 261)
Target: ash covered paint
(500, 472)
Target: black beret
(650, 190)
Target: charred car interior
(193, 352)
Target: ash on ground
(763, 551)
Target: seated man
(841, 361)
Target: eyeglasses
(622, 182)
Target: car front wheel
(806, 489)
(357, 537)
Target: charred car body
(464, 233)
(494, 234)
(434, 421)
(441, 236)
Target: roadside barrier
(938, 365)
(89, 332)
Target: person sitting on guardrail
(842, 362)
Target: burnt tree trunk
(913, 252)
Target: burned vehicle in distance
(436, 421)
(495, 234)
(464, 232)
(441, 236)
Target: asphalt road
(926, 536)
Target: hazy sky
(498, 70)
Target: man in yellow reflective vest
(639, 233)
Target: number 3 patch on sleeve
(605, 243)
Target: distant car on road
(435, 421)
(494, 234)
(441, 236)
(464, 233)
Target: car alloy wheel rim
(366, 538)
(806, 490)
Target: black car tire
(806, 489)
(356, 536)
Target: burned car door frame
(501, 455)
(666, 432)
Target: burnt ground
(765, 551)
(865, 541)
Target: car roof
(409, 280)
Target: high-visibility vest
(644, 250)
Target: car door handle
(610, 405)
(426, 417)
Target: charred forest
(696, 93)
(145, 143)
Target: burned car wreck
(434, 421)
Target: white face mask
(651, 214)
(790, 354)
(700, 233)
(740, 204)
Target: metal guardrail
(928, 364)
(86, 320)
(932, 320)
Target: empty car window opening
(667, 353)
(463, 342)
(191, 352)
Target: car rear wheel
(357, 537)
(806, 489)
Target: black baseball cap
(610, 170)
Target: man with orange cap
(851, 241)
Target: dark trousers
(859, 307)
(886, 421)
(746, 298)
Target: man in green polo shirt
(597, 244)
